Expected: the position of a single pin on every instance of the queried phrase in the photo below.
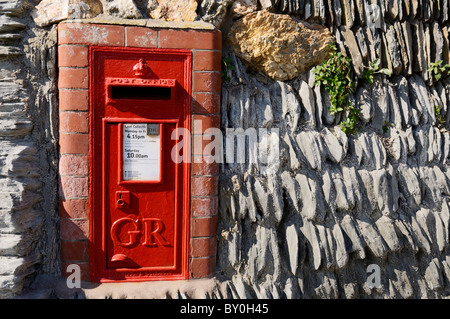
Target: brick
(204, 227)
(73, 208)
(75, 250)
(202, 267)
(74, 165)
(84, 269)
(204, 206)
(190, 39)
(91, 34)
(204, 185)
(203, 247)
(73, 143)
(207, 60)
(204, 103)
(206, 82)
(77, 78)
(73, 186)
(74, 229)
(204, 168)
(209, 159)
(197, 144)
(73, 56)
(74, 122)
(202, 145)
(73, 100)
(141, 37)
(200, 123)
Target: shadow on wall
(74, 225)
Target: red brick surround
(74, 40)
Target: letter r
(153, 227)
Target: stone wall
(306, 226)
(28, 219)
(338, 203)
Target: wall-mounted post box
(140, 96)
(129, 211)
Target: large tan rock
(173, 10)
(53, 11)
(279, 45)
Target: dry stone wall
(28, 117)
(338, 203)
(308, 223)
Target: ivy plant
(386, 126)
(334, 74)
(437, 113)
(226, 65)
(438, 70)
(374, 68)
(350, 123)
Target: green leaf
(385, 71)
(375, 64)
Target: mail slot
(139, 197)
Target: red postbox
(139, 196)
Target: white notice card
(141, 152)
